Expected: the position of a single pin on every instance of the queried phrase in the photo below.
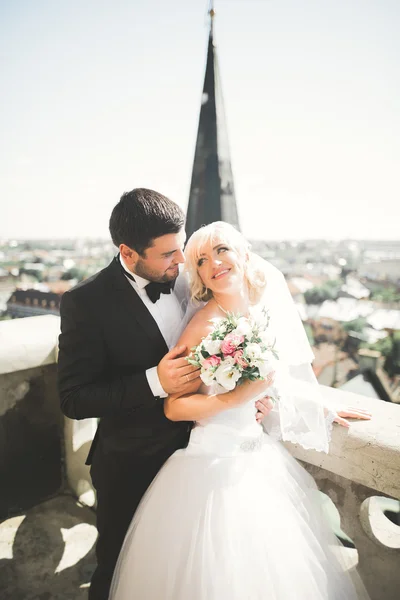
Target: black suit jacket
(108, 340)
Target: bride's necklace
(220, 307)
(226, 312)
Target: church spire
(212, 194)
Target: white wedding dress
(231, 517)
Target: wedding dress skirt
(231, 517)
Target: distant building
(7, 286)
(345, 309)
(381, 270)
(326, 329)
(31, 303)
(297, 286)
(369, 379)
(353, 288)
(7, 281)
(385, 319)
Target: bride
(233, 516)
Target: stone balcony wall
(363, 465)
(31, 424)
(42, 453)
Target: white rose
(229, 361)
(207, 377)
(202, 360)
(211, 346)
(265, 365)
(216, 320)
(226, 374)
(253, 352)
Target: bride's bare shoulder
(199, 326)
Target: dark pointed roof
(212, 193)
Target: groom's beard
(144, 271)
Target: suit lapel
(130, 303)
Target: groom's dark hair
(142, 215)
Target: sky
(99, 97)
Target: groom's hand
(176, 375)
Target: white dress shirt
(166, 312)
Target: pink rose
(211, 361)
(230, 343)
(239, 359)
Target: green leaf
(193, 362)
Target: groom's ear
(129, 255)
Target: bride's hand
(350, 412)
(261, 385)
(264, 407)
(249, 390)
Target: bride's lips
(220, 274)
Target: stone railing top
(369, 451)
(28, 343)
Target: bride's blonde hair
(216, 233)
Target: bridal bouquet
(237, 349)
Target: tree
(328, 291)
(310, 334)
(392, 362)
(32, 273)
(73, 273)
(356, 325)
(386, 294)
(389, 347)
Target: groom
(114, 364)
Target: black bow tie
(153, 289)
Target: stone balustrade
(363, 465)
(42, 453)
